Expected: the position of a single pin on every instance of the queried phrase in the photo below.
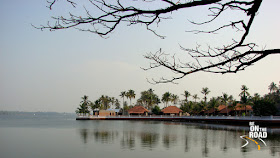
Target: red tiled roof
(138, 110)
(224, 111)
(209, 111)
(171, 110)
(220, 107)
(239, 107)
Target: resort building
(243, 109)
(108, 112)
(215, 111)
(238, 110)
(222, 110)
(138, 110)
(172, 110)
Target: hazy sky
(51, 71)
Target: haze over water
(57, 135)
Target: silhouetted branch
(117, 13)
(229, 58)
(223, 64)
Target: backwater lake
(56, 135)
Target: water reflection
(98, 136)
(169, 140)
(128, 140)
(205, 149)
(185, 137)
(104, 136)
(274, 144)
(84, 135)
(149, 140)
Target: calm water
(61, 136)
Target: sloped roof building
(138, 110)
(172, 110)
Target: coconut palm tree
(195, 97)
(166, 97)
(202, 105)
(205, 91)
(122, 95)
(225, 99)
(256, 97)
(112, 100)
(84, 106)
(197, 108)
(244, 91)
(105, 100)
(174, 98)
(148, 99)
(85, 100)
(186, 95)
(187, 107)
(130, 94)
(117, 104)
(94, 105)
(272, 87)
(244, 96)
(213, 104)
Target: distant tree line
(262, 105)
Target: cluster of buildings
(175, 111)
(140, 110)
(223, 110)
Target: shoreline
(239, 120)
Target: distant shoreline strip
(266, 120)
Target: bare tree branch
(229, 58)
(226, 65)
(114, 14)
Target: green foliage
(272, 87)
(84, 106)
(166, 97)
(83, 109)
(130, 94)
(187, 106)
(205, 91)
(244, 99)
(274, 97)
(105, 102)
(122, 95)
(244, 95)
(148, 99)
(117, 104)
(264, 107)
(156, 110)
(255, 98)
(213, 103)
(125, 106)
(174, 98)
(197, 107)
(225, 99)
(195, 97)
(96, 104)
(186, 95)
